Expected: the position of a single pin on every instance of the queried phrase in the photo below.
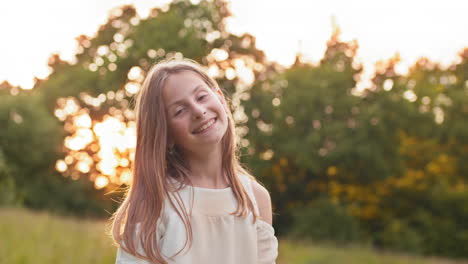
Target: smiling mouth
(205, 127)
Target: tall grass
(38, 237)
(28, 237)
(295, 252)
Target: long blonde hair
(144, 199)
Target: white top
(217, 236)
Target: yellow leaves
(283, 162)
(281, 169)
(332, 170)
(427, 161)
(367, 212)
(382, 189)
(282, 187)
(277, 173)
(461, 187)
(279, 177)
(301, 175)
(443, 164)
(363, 200)
(433, 168)
(409, 179)
(352, 192)
(334, 189)
(406, 141)
(354, 210)
(439, 88)
(315, 186)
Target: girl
(190, 200)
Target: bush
(324, 220)
(438, 226)
(7, 184)
(445, 225)
(398, 235)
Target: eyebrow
(193, 91)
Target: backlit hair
(134, 222)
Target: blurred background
(354, 115)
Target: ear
(170, 143)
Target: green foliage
(380, 153)
(7, 184)
(127, 42)
(399, 236)
(437, 225)
(307, 131)
(324, 220)
(31, 141)
(394, 155)
(32, 138)
(426, 203)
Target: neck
(206, 168)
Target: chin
(208, 142)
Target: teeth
(205, 126)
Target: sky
(32, 30)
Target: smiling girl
(190, 200)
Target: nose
(198, 111)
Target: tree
(93, 96)
(309, 134)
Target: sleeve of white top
(267, 243)
(123, 257)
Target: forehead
(180, 85)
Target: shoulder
(263, 201)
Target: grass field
(37, 237)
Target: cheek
(218, 105)
(222, 111)
(177, 129)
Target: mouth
(205, 127)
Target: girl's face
(195, 113)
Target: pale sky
(32, 30)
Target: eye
(179, 111)
(202, 97)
